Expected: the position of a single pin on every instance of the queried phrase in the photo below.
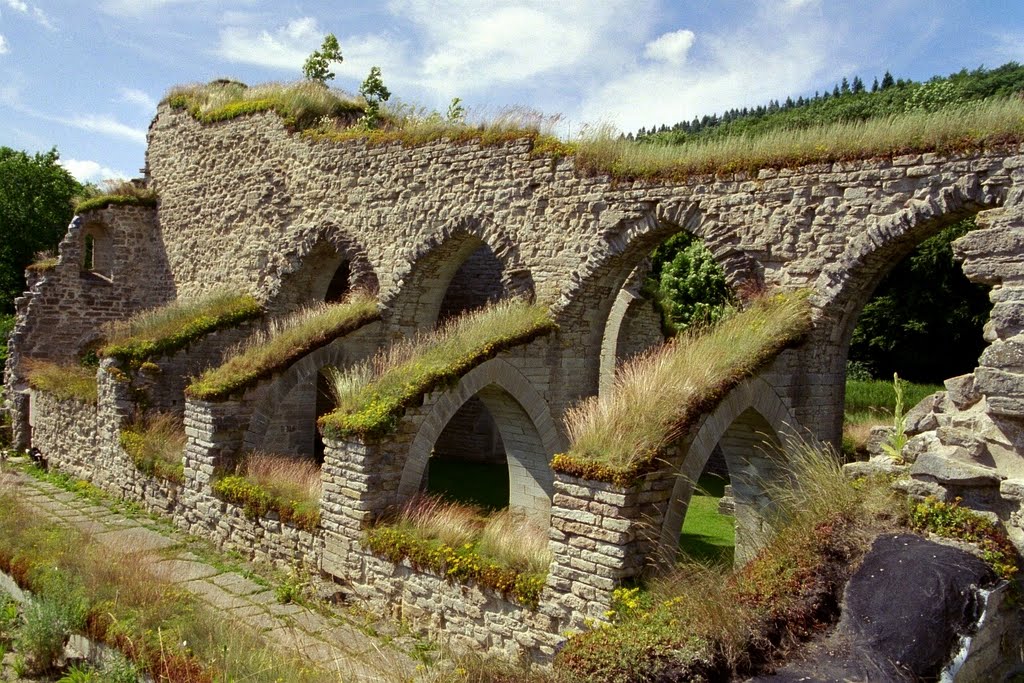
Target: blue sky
(85, 76)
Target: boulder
(956, 472)
(922, 417)
(962, 391)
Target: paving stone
(180, 571)
(215, 595)
(237, 584)
(136, 539)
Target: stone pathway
(330, 642)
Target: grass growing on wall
(268, 482)
(172, 327)
(283, 343)
(617, 436)
(118, 193)
(299, 104)
(63, 381)
(371, 397)
(504, 551)
(157, 446)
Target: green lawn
(477, 483)
(707, 535)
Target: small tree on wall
(374, 92)
(317, 66)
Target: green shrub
(688, 283)
(371, 397)
(287, 340)
(164, 330)
(6, 327)
(49, 620)
(64, 381)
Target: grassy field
(870, 403)
(707, 535)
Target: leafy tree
(925, 320)
(374, 92)
(317, 66)
(688, 283)
(36, 196)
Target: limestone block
(921, 418)
(947, 470)
(973, 447)
(882, 465)
(962, 391)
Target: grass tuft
(118, 193)
(300, 104)
(164, 330)
(968, 127)
(617, 437)
(371, 397)
(268, 482)
(62, 380)
(157, 446)
(286, 340)
(505, 552)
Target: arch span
(527, 430)
(422, 281)
(750, 415)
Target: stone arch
(584, 309)
(284, 413)
(633, 326)
(529, 433)
(97, 249)
(322, 258)
(416, 301)
(845, 286)
(751, 414)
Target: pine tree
(887, 81)
(858, 85)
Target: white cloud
(671, 48)
(30, 10)
(139, 97)
(86, 171)
(138, 8)
(104, 125)
(285, 48)
(771, 56)
(3, 45)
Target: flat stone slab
(215, 595)
(180, 571)
(135, 539)
(237, 584)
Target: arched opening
(525, 431)
(468, 463)
(477, 282)
(720, 501)
(340, 284)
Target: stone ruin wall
(244, 203)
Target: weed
(893, 446)
(953, 521)
(286, 485)
(118, 193)
(156, 446)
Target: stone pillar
(215, 431)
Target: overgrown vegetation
(285, 341)
(704, 622)
(110, 595)
(372, 396)
(872, 402)
(63, 381)
(301, 105)
(687, 283)
(164, 330)
(118, 193)
(287, 486)
(157, 446)
(506, 552)
(617, 437)
(6, 328)
(952, 521)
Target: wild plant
(897, 439)
(515, 540)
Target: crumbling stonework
(440, 227)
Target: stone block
(946, 470)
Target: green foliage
(257, 502)
(63, 381)
(172, 327)
(6, 327)
(879, 396)
(456, 112)
(894, 444)
(952, 521)
(372, 405)
(375, 93)
(317, 65)
(50, 619)
(925, 318)
(36, 194)
(461, 564)
(288, 340)
(688, 283)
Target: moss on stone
(105, 201)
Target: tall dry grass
(283, 342)
(157, 446)
(973, 125)
(517, 541)
(291, 478)
(384, 383)
(434, 518)
(62, 380)
(301, 103)
(655, 397)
